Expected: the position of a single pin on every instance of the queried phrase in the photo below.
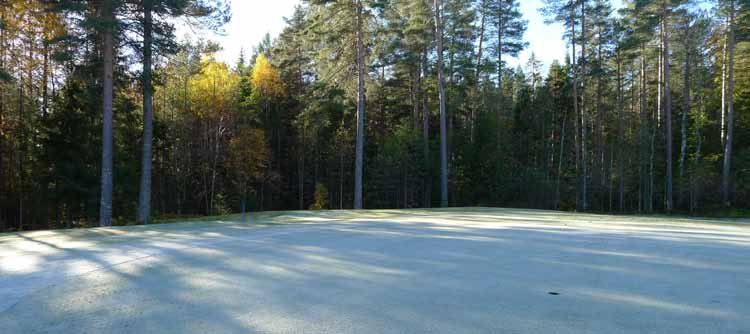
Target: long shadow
(354, 274)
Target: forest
(107, 117)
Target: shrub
(321, 197)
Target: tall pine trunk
(443, 116)
(599, 164)
(726, 172)
(426, 136)
(106, 13)
(341, 179)
(643, 134)
(414, 96)
(560, 160)
(301, 172)
(694, 196)
(20, 153)
(667, 106)
(660, 80)
(360, 144)
(144, 196)
(500, 96)
(45, 78)
(477, 75)
(724, 87)
(620, 136)
(584, 162)
(576, 115)
(2, 111)
(685, 103)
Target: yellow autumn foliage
(214, 90)
(265, 79)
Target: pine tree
(106, 17)
(566, 12)
(211, 14)
(332, 27)
(441, 96)
(360, 142)
(730, 9)
(509, 27)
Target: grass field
(462, 270)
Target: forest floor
(467, 270)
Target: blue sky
(545, 40)
(252, 19)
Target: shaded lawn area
(462, 270)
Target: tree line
(106, 117)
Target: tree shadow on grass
(354, 274)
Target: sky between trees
(250, 24)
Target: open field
(471, 270)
